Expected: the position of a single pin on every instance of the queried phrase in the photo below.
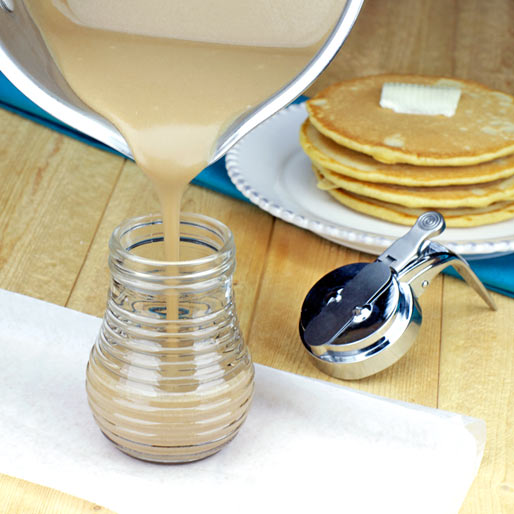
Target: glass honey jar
(170, 378)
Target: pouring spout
(247, 122)
(462, 267)
(434, 259)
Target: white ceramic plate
(270, 168)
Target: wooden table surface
(60, 200)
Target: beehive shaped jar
(170, 378)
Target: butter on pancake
(457, 218)
(481, 130)
(327, 154)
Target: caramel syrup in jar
(163, 388)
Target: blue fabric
(496, 273)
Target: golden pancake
(327, 154)
(481, 130)
(468, 195)
(462, 217)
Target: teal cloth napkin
(496, 273)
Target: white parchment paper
(307, 445)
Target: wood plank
(396, 37)
(435, 37)
(484, 43)
(132, 196)
(477, 379)
(22, 497)
(54, 191)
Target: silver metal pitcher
(27, 63)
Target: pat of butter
(420, 99)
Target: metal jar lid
(361, 318)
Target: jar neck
(206, 243)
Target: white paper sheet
(307, 445)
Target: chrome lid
(361, 318)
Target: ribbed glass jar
(169, 378)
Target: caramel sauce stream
(171, 99)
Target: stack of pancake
(395, 166)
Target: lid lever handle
(408, 247)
